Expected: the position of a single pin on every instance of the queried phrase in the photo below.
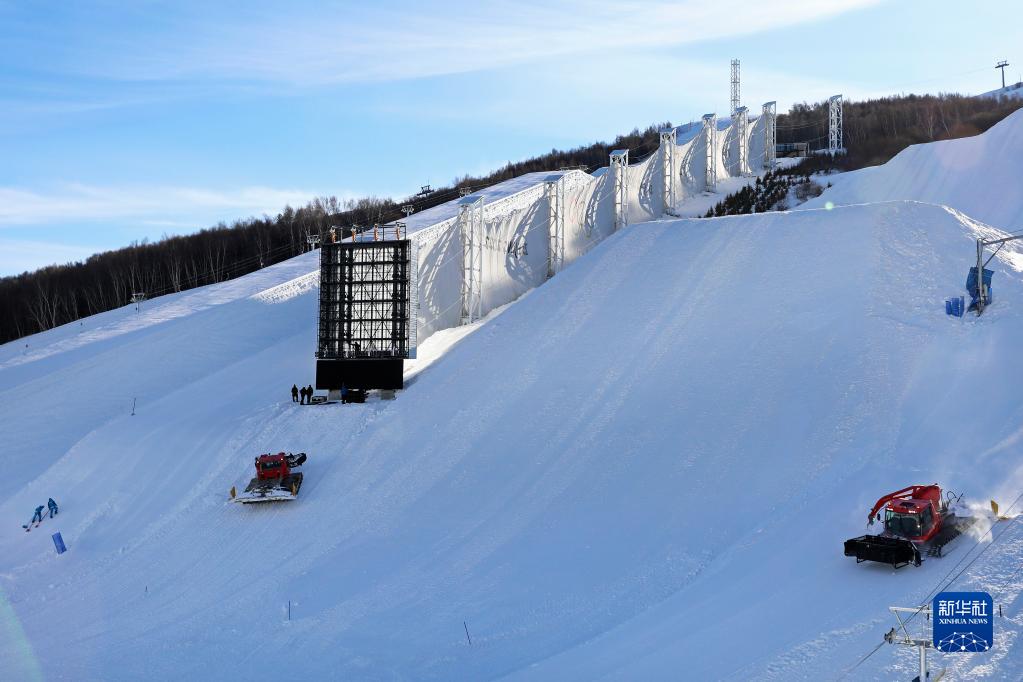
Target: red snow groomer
(915, 519)
(275, 481)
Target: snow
(977, 175)
(642, 469)
(1013, 90)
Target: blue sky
(124, 121)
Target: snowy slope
(58, 386)
(1009, 91)
(978, 175)
(651, 457)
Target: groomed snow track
(643, 469)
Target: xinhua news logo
(963, 622)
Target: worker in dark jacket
(309, 392)
(53, 507)
(294, 393)
(39, 515)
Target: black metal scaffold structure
(367, 315)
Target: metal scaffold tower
(710, 124)
(620, 169)
(770, 114)
(470, 222)
(835, 124)
(735, 86)
(741, 122)
(555, 190)
(668, 141)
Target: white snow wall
(516, 237)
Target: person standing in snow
(38, 516)
(294, 393)
(53, 507)
(302, 391)
(309, 392)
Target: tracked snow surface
(977, 175)
(643, 469)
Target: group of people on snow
(39, 511)
(306, 392)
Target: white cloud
(78, 202)
(565, 101)
(323, 44)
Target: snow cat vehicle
(916, 520)
(275, 481)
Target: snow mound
(651, 457)
(978, 175)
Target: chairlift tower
(983, 294)
(901, 634)
(740, 121)
(554, 186)
(313, 240)
(668, 141)
(1001, 65)
(470, 221)
(619, 169)
(770, 114)
(735, 87)
(710, 124)
(835, 124)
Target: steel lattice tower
(620, 169)
(710, 124)
(770, 114)
(668, 141)
(835, 124)
(555, 190)
(740, 123)
(470, 220)
(735, 86)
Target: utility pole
(1001, 65)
